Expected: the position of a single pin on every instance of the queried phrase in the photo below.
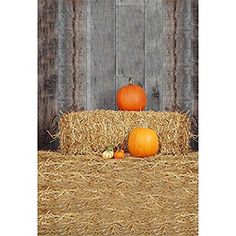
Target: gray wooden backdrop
(87, 49)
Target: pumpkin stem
(110, 148)
(131, 81)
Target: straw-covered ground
(90, 132)
(86, 195)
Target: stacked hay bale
(82, 194)
(90, 132)
(86, 195)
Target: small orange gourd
(143, 142)
(131, 97)
(119, 154)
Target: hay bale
(90, 132)
(92, 196)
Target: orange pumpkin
(143, 142)
(119, 154)
(131, 97)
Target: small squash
(108, 154)
(143, 142)
(131, 97)
(119, 154)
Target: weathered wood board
(89, 48)
(102, 56)
(194, 70)
(129, 42)
(72, 41)
(154, 54)
(47, 70)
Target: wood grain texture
(45, 5)
(183, 55)
(177, 55)
(47, 71)
(89, 53)
(102, 55)
(72, 55)
(194, 63)
(129, 42)
(169, 57)
(153, 54)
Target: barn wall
(89, 48)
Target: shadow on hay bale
(92, 196)
(90, 132)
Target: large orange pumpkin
(143, 142)
(131, 97)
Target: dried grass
(92, 196)
(90, 132)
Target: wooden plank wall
(89, 48)
(47, 70)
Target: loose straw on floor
(86, 195)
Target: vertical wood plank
(81, 44)
(47, 71)
(183, 55)
(129, 41)
(102, 39)
(169, 67)
(194, 11)
(89, 53)
(72, 55)
(65, 74)
(194, 61)
(177, 84)
(153, 54)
